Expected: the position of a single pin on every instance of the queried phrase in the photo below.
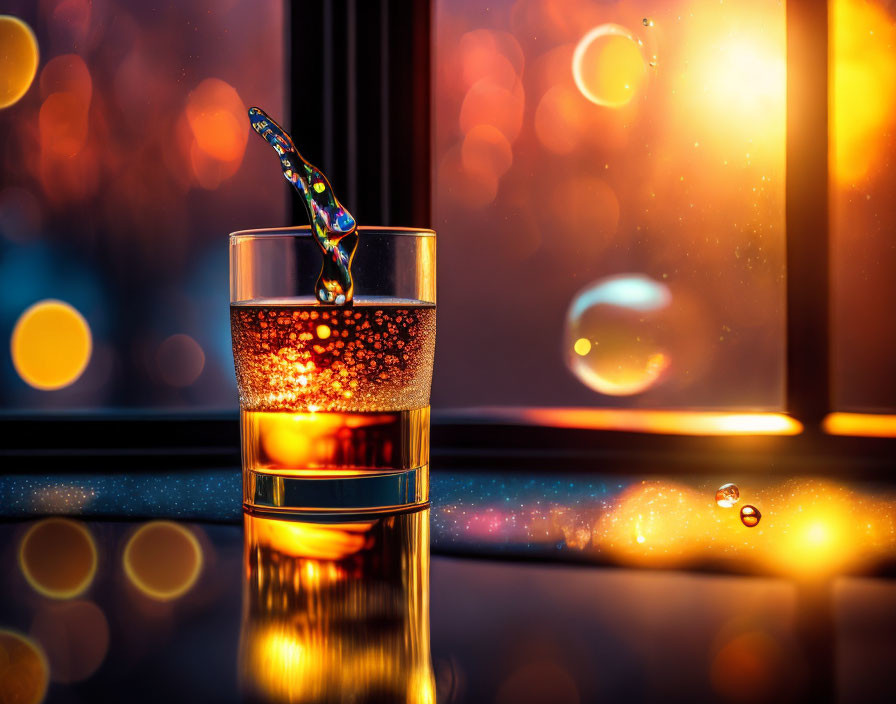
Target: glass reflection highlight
(336, 611)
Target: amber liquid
(333, 390)
(336, 612)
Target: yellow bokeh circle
(608, 66)
(163, 560)
(58, 558)
(51, 345)
(18, 59)
(24, 672)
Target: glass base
(367, 492)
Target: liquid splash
(334, 227)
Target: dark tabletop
(523, 587)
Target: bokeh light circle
(180, 360)
(613, 338)
(58, 557)
(217, 118)
(24, 672)
(75, 635)
(51, 345)
(486, 149)
(18, 59)
(608, 66)
(163, 560)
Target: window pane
(863, 215)
(122, 170)
(609, 198)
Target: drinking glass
(334, 400)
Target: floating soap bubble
(334, 227)
(749, 516)
(608, 67)
(727, 495)
(612, 334)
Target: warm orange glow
(217, 120)
(561, 120)
(749, 667)
(18, 59)
(163, 560)
(58, 558)
(485, 149)
(302, 443)
(217, 117)
(736, 84)
(863, 86)
(67, 74)
(24, 671)
(608, 66)
(648, 421)
(51, 345)
(63, 125)
(329, 541)
(487, 103)
(493, 56)
(656, 523)
(873, 425)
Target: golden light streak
(58, 558)
(163, 560)
(649, 421)
(872, 425)
(808, 527)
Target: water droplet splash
(727, 495)
(333, 226)
(749, 516)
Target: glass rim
(305, 231)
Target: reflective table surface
(513, 587)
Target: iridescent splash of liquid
(334, 227)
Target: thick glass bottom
(335, 461)
(365, 492)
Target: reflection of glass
(334, 399)
(337, 612)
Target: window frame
(386, 71)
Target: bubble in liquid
(647, 22)
(612, 334)
(749, 516)
(608, 67)
(727, 495)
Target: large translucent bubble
(613, 340)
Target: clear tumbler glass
(334, 400)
